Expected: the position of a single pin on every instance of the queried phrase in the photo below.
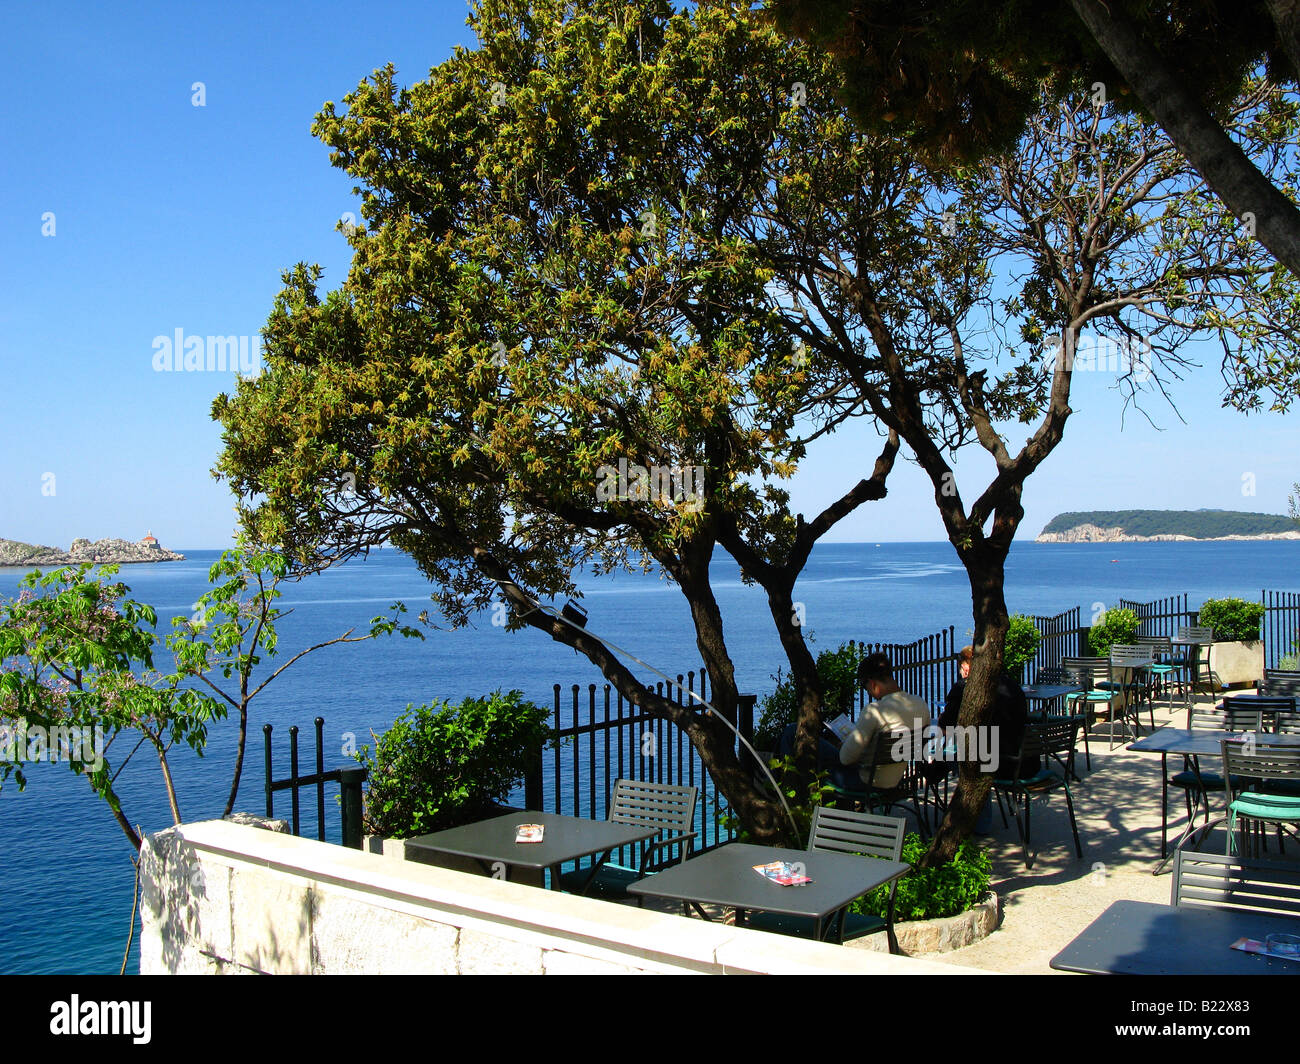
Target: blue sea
(66, 877)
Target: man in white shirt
(893, 710)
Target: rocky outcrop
(102, 551)
(1093, 534)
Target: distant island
(102, 551)
(1137, 526)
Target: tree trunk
(1265, 212)
(984, 569)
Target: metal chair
(1061, 676)
(870, 798)
(1054, 738)
(1102, 691)
(844, 831)
(1162, 669)
(669, 807)
(1263, 783)
(1198, 660)
(1217, 881)
(1195, 784)
(1280, 682)
(1132, 662)
(1273, 711)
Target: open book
(841, 726)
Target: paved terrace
(1118, 809)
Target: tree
(78, 674)
(961, 79)
(627, 234)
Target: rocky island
(1146, 526)
(101, 551)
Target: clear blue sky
(170, 216)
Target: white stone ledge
(493, 925)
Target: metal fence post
(350, 780)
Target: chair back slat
(1242, 717)
(1193, 634)
(847, 831)
(1216, 881)
(1051, 736)
(1259, 761)
(1280, 682)
(667, 806)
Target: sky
(159, 175)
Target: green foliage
(838, 671)
(801, 801)
(1023, 638)
(441, 765)
(928, 893)
(77, 657)
(1115, 626)
(1198, 524)
(1232, 619)
(76, 653)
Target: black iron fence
(1281, 626)
(1163, 616)
(1059, 639)
(348, 779)
(601, 738)
(926, 667)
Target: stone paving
(1117, 805)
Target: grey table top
(726, 876)
(1202, 741)
(1047, 692)
(565, 838)
(1145, 938)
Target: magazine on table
(529, 832)
(782, 873)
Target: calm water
(65, 874)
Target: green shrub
(1232, 619)
(1115, 626)
(440, 765)
(928, 893)
(1023, 638)
(820, 792)
(838, 670)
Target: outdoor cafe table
(1193, 743)
(564, 838)
(1049, 693)
(726, 876)
(1146, 938)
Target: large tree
(623, 233)
(960, 79)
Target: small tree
(77, 667)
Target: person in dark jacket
(1010, 714)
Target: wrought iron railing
(348, 779)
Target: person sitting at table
(1009, 715)
(891, 711)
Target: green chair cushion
(1267, 806)
(1211, 780)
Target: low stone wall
(221, 897)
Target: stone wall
(220, 897)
